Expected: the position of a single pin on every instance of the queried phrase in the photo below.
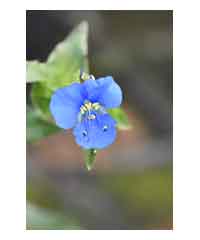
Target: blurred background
(131, 185)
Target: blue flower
(82, 106)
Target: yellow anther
(88, 105)
(83, 108)
(95, 106)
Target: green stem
(90, 158)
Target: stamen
(96, 106)
(89, 107)
(82, 110)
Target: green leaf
(61, 69)
(36, 71)
(37, 128)
(121, 117)
(90, 158)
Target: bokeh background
(131, 185)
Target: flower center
(89, 111)
(88, 108)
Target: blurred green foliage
(42, 194)
(45, 209)
(147, 195)
(37, 128)
(38, 218)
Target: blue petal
(92, 89)
(105, 91)
(98, 133)
(65, 105)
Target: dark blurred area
(131, 184)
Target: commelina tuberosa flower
(82, 107)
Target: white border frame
(186, 119)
